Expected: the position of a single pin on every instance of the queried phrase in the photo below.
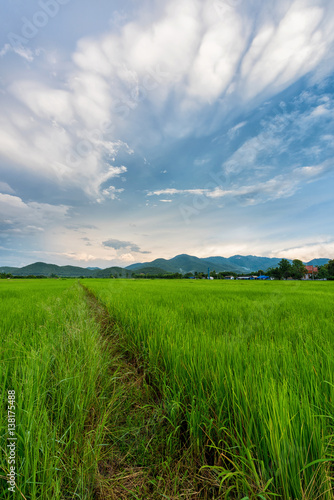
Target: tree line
(297, 270)
(284, 270)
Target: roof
(311, 269)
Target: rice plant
(53, 357)
(246, 372)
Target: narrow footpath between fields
(136, 463)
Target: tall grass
(247, 375)
(53, 357)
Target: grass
(53, 356)
(245, 372)
(168, 389)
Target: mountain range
(238, 263)
(180, 264)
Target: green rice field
(246, 370)
(243, 372)
(52, 356)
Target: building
(311, 272)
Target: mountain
(186, 263)
(317, 262)
(180, 264)
(43, 269)
(151, 271)
(94, 268)
(238, 263)
(160, 263)
(8, 270)
(253, 263)
(106, 273)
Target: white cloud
(185, 54)
(233, 132)
(21, 51)
(44, 102)
(36, 216)
(172, 191)
(306, 251)
(5, 188)
(126, 258)
(280, 186)
(280, 55)
(110, 193)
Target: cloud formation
(221, 100)
(121, 245)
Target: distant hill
(253, 263)
(106, 273)
(186, 263)
(180, 264)
(151, 271)
(317, 262)
(238, 264)
(43, 269)
(8, 270)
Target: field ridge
(141, 468)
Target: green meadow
(241, 376)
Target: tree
(330, 268)
(298, 269)
(285, 269)
(323, 272)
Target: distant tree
(127, 275)
(274, 272)
(4, 276)
(285, 269)
(330, 268)
(323, 272)
(298, 269)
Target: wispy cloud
(280, 186)
(120, 245)
(20, 50)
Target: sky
(132, 130)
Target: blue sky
(135, 130)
